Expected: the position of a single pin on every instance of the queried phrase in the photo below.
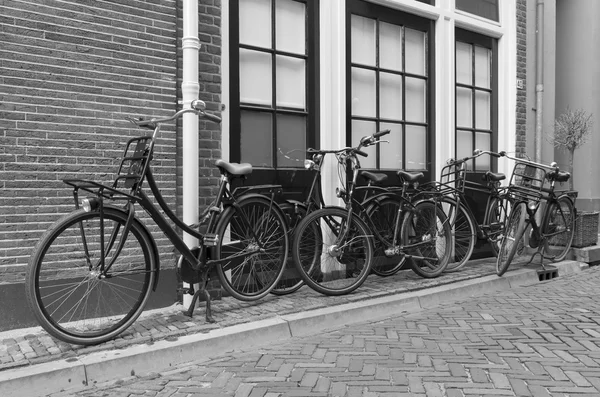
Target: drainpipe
(190, 89)
(539, 79)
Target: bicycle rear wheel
(512, 239)
(383, 215)
(559, 227)
(252, 248)
(427, 238)
(71, 296)
(464, 235)
(290, 281)
(328, 265)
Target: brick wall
(521, 127)
(69, 72)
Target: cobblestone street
(539, 340)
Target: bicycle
(552, 238)
(296, 210)
(91, 273)
(332, 246)
(466, 230)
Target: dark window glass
(484, 8)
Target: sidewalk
(33, 363)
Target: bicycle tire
(383, 215)
(290, 281)
(427, 234)
(463, 231)
(249, 277)
(68, 295)
(559, 214)
(496, 218)
(328, 268)
(512, 238)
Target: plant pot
(586, 229)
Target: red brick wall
(69, 72)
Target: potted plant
(571, 130)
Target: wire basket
(452, 178)
(527, 182)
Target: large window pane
(482, 110)
(255, 22)
(416, 148)
(484, 8)
(363, 92)
(291, 86)
(483, 67)
(360, 129)
(390, 154)
(290, 20)
(390, 96)
(415, 99)
(255, 77)
(483, 141)
(464, 107)
(415, 51)
(291, 140)
(464, 63)
(390, 46)
(363, 40)
(256, 139)
(464, 145)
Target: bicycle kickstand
(204, 291)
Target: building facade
(445, 77)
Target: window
(389, 85)
(484, 8)
(273, 89)
(475, 97)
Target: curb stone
(144, 359)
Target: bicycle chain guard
(186, 270)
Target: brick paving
(539, 340)
(19, 349)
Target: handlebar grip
(381, 133)
(361, 153)
(497, 155)
(211, 117)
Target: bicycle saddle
(234, 168)
(373, 177)
(409, 176)
(491, 176)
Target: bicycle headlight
(532, 205)
(309, 164)
(89, 204)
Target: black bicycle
(332, 246)
(91, 273)
(532, 186)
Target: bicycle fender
(151, 240)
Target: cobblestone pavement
(33, 346)
(539, 340)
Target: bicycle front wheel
(85, 287)
(495, 221)
(332, 256)
(512, 239)
(462, 228)
(252, 248)
(427, 238)
(559, 228)
(290, 281)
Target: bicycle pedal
(211, 239)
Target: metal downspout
(190, 89)
(539, 79)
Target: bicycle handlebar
(197, 106)
(365, 141)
